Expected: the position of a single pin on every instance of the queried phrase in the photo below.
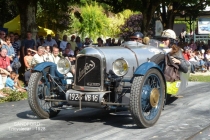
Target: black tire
(34, 98)
(159, 59)
(137, 100)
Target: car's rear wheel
(147, 98)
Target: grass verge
(12, 95)
(199, 78)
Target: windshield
(159, 44)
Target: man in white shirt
(38, 57)
(54, 56)
(63, 43)
(49, 41)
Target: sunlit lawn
(200, 78)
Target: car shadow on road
(116, 119)
(27, 115)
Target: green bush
(12, 95)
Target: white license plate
(85, 98)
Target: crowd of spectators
(20, 56)
(198, 54)
(28, 53)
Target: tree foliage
(169, 9)
(116, 21)
(54, 14)
(8, 11)
(92, 21)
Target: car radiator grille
(88, 72)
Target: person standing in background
(73, 43)
(63, 43)
(28, 43)
(79, 43)
(57, 39)
(49, 41)
(182, 35)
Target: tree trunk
(170, 20)
(148, 13)
(27, 11)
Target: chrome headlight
(120, 67)
(63, 65)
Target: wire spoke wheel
(147, 98)
(37, 94)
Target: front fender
(41, 66)
(53, 69)
(142, 69)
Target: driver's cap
(137, 35)
(168, 33)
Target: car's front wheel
(147, 98)
(37, 89)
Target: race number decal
(178, 84)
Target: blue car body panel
(142, 69)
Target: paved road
(184, 118)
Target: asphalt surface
(184, 118)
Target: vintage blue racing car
(127, 76)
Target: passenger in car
(169, 39)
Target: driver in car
(137, 36)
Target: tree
(169, 9)
(54, 14)
(132, 24)
(28, 11)
(116, 21)
(8, 11)
(146, 7)
(92, 21)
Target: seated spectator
(47, 53)
(5, 67)
(40, 40)
(194, 60)
(186, 54)
(28, 66)
(207, 56)
(13, 83)
(38, 57)
(63, 43)
(68, 53)
(112, 42)
(119, 42)
(27, 60)
(200, 60)
(71, 52)
(100, 42)
(79, 43)
(87, 42)
(3, 76)
(10, 50)
(54, 56)
(14, 58)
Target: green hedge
(12, 95)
